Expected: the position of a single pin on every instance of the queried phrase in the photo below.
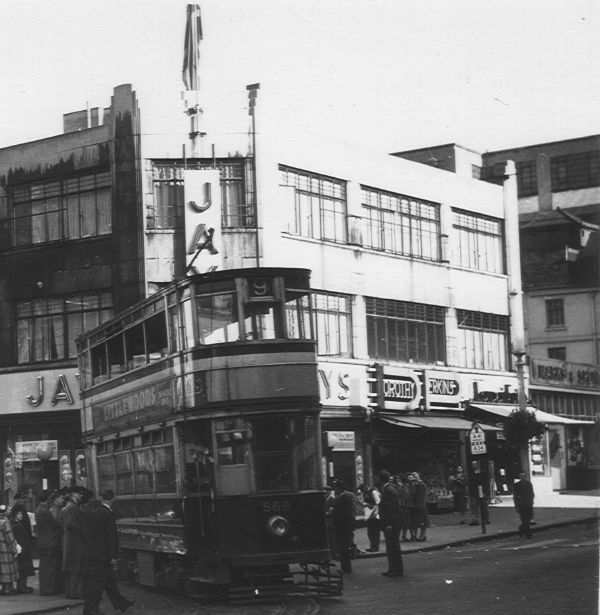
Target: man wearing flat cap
(103, 548)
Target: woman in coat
(9, 571)
(49, 532)
(24, 558)
(74, 544)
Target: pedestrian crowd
(77, 545)
(396, 505)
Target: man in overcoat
(101, 558)
(390, 516)
(49, 532)
(75, 535)
(523, 497)
(343, 524)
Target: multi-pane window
(401, 224)
(320, 204)
(404, 331)
(72, 208)
(333, 324)
(479, 241)
(558, 352)
(482, 340)
(575, 171)
(167, 207)
(237, 195)
(237, 198)
(47, 328)
(555, 313)
(526, 178)
(142, 465)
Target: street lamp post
(522, 401)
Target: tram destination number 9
(261, 288)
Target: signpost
(477, 440)
(478, 447)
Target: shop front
(40, 433)
(345, 423)
(570, 392)
(420, 427)
(378, 416)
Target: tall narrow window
(527, 178)
(555, 313)
(333, 324)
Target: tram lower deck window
(232, 447)
(272, 444)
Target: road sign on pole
(477, 440)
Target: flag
(191, 50)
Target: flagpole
(190, 73)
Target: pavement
(445, 530)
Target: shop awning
(540, 415)
(434, 422)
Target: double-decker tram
(200, 411)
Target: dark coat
(419, 491)
(103, 541)
(26, 522)
(74, 537)
(24, 559)
(343, 512)
(389, 507)
(523, 494)
(48, 529)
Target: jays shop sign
(42, 391)
(342, 384)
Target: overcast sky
(385, 74)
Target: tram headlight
(278, 526)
